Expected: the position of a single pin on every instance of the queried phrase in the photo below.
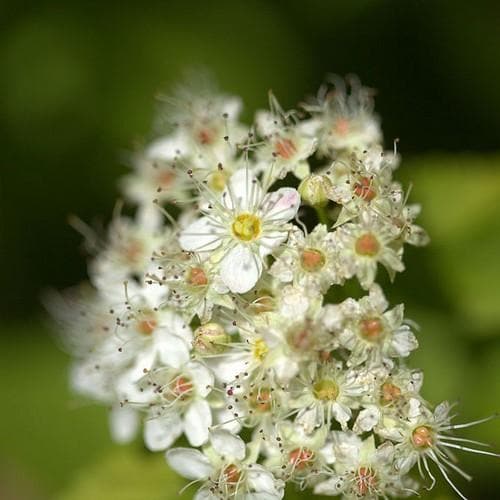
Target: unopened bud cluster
(207, 312)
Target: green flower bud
(314, 190)
(210, 338)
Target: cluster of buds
(209, 313)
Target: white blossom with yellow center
(239, 229)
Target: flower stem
(322, 215)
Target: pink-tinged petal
(160, 433)
(197, 420)
(189, 463)
(227, 445)
(124, 423)
(242, 192)
(240, 269)
(281, 205)
(201, 236)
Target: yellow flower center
(326, 390)
(260, 349)
(246, 227)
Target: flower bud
(314, 190)
(210, 338)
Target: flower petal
(242, 192)
(197, 420)
(202, 378)
(200, 236)
(166, 148)
(124, 423)
(227, 445)
(160, 433)
(240, 269)
(171, 349)
(205, 494)
(263, 484)
(189, 463)
(281, 205)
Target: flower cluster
(209, 313)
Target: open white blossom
(239, 229)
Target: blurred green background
(77, 87)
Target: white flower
(363, 245)
(324, 393)
(308, 261)
(361, 469)
(343, 120)
(371, 333)
(286, 147)
(297, 455)
(126, 254)
(241, 229)
(147, 334)
(194, 284)
(177, 403)
(363, 180)
(227, 469)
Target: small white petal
(227, 445)
(165, 148)
(243, 191)
(144, 361)
(403, 341)
(341, 413)
(197, 420)
(124, 423)
(172, 350)
(160, 433)
(367, 419)
(202, 378)
(189, 463)
(225, 369)
(205, 494)
(260, 480)
(201, 236)
(332, 486)
(240, 269)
